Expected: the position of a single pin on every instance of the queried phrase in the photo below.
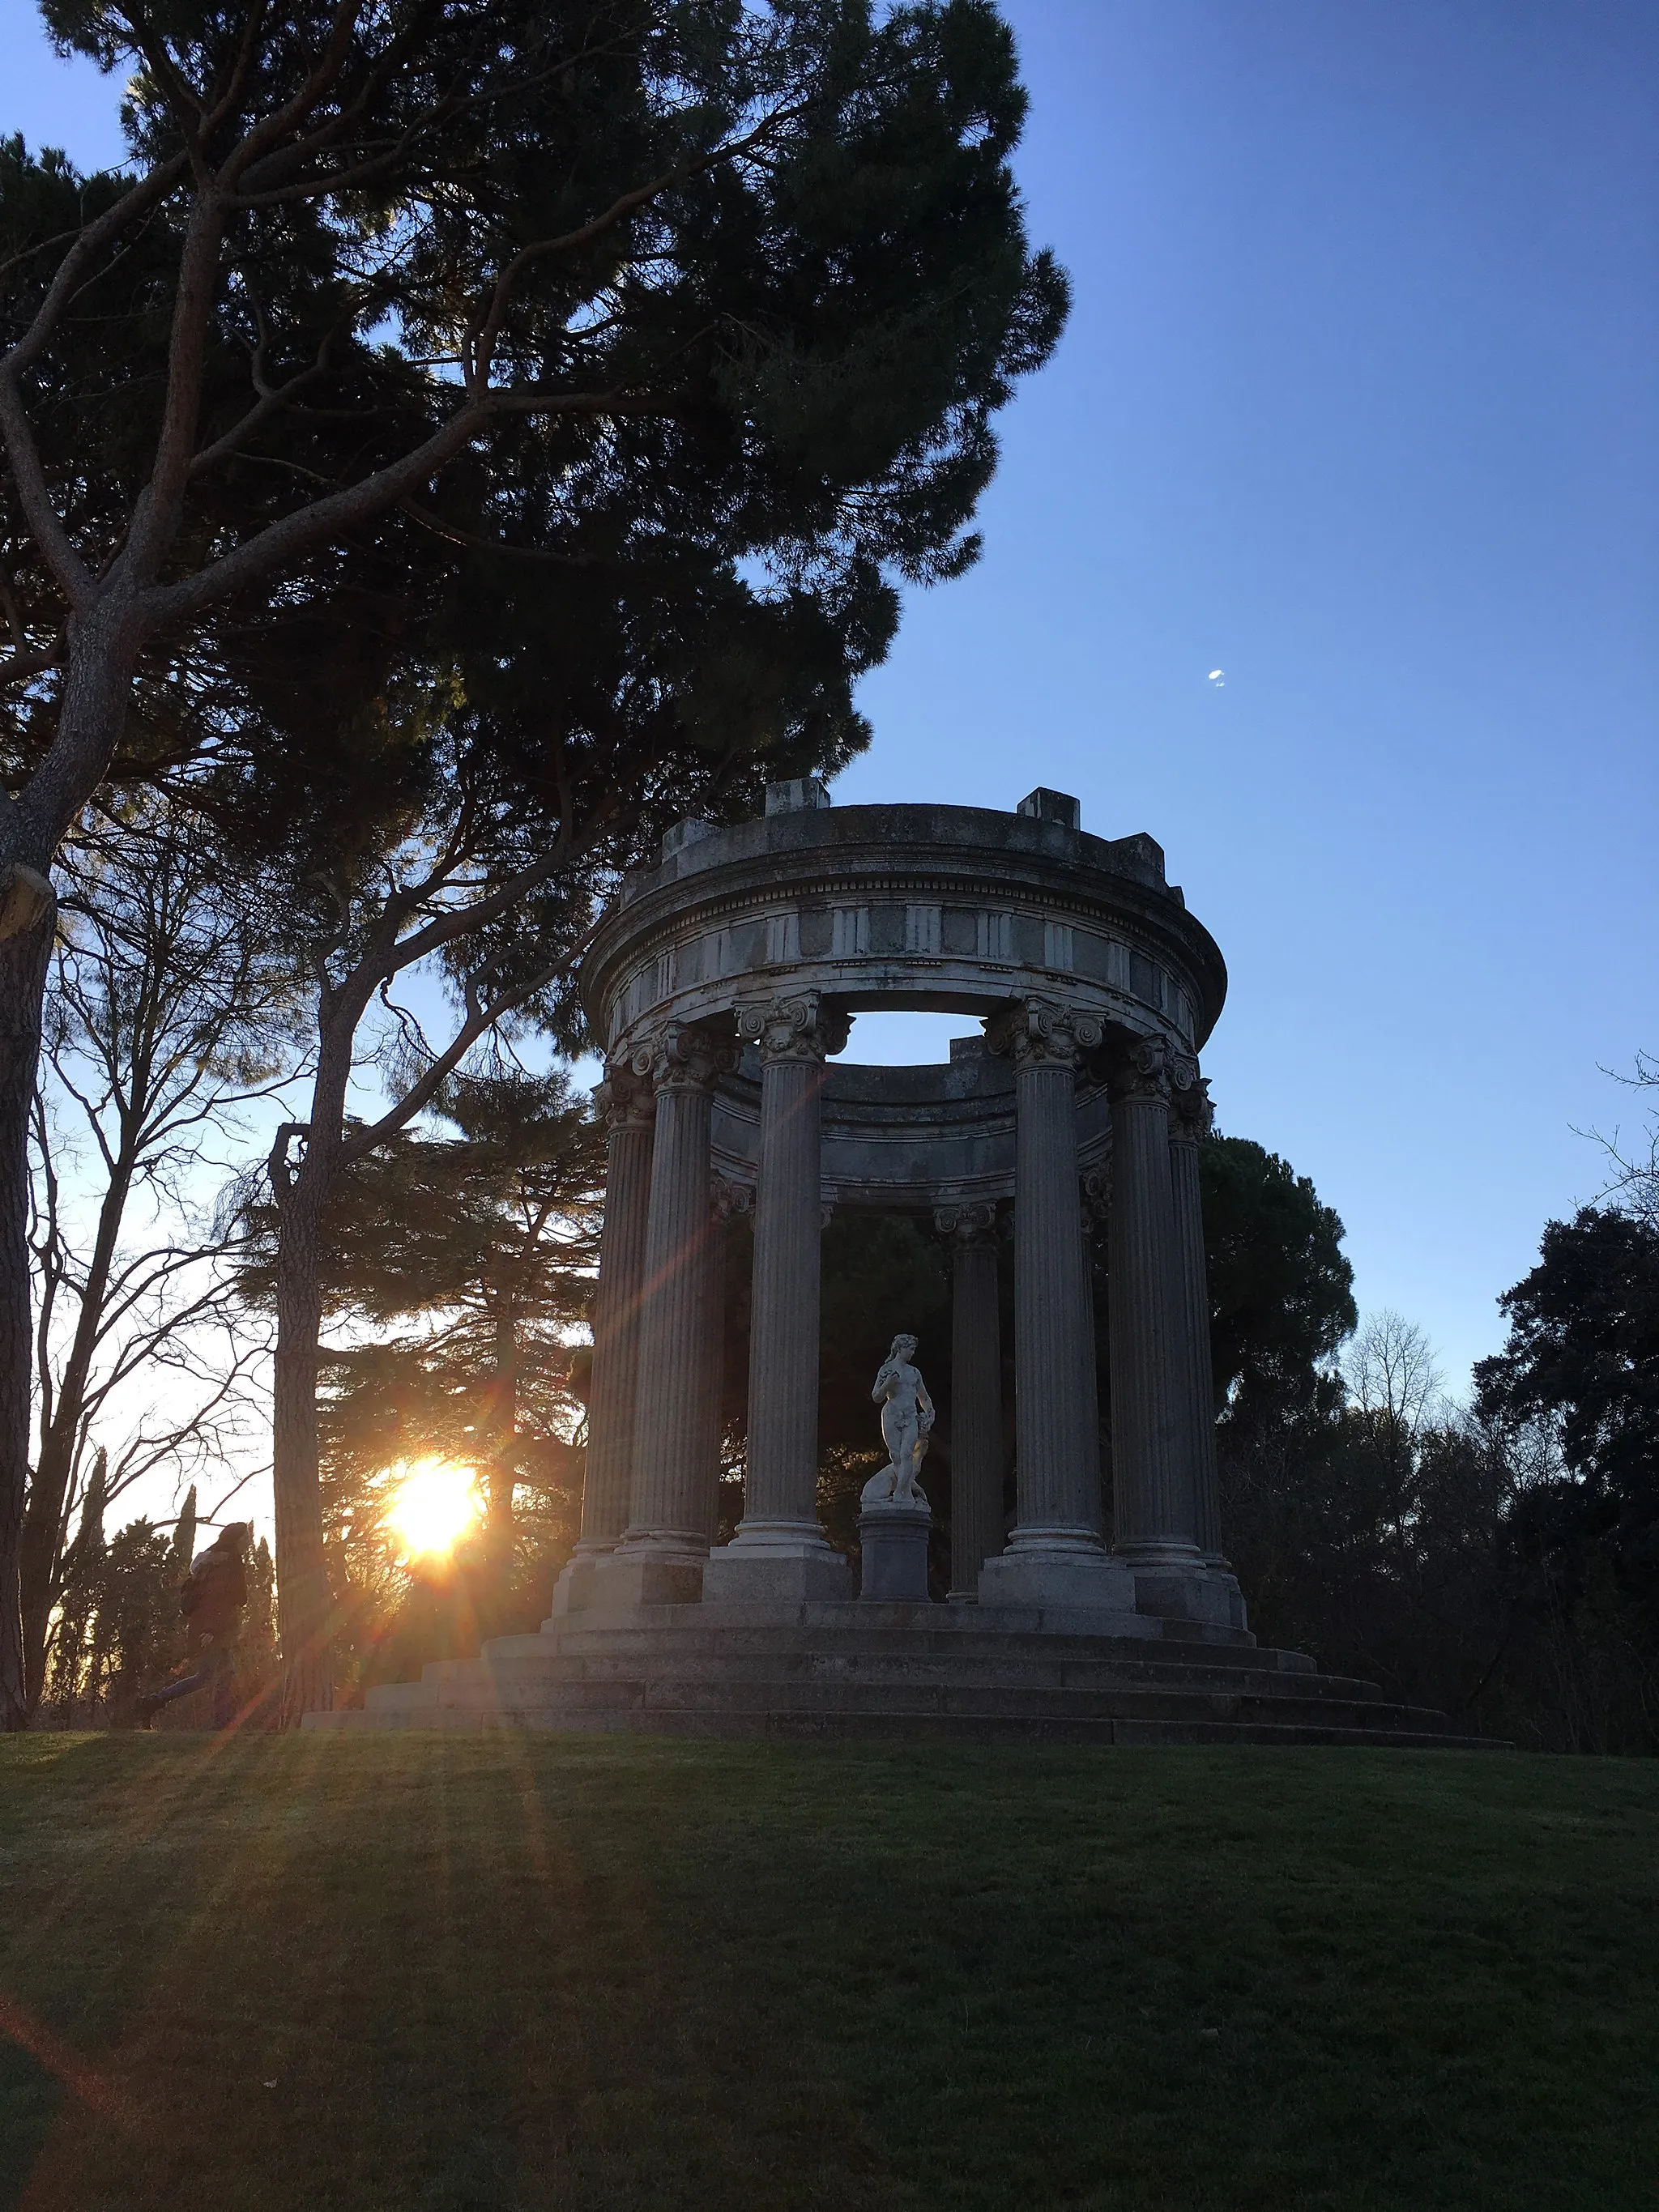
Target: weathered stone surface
(976, 1473)
(1152, 1442)
(1190, 1118)
(795, 793)
(711, 1363)
(660, 1556)
(907, 1423)
(893, 1538)
(1057, 1449)
(894, 1670)
(773, 1568)
(1084, 1581)
(724, 979)
(629, 1107)
(957, 908)
(793, 1033)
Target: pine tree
(711, 307)
(135, 1635)
(69, 1656)
(486, 1240)
(256, 1657)
(183, 1536)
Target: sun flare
(435, 1504)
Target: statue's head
(903, 1348)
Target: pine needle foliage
(457, 1273)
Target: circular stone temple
(723, 986)
(724, 983)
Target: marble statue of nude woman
(907, 1421)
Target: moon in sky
(1217, 676)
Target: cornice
(660, 916)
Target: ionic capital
(682, 1056)
(801, 1027)
(1191, 1115)
(625, 1099)
(1042, 1033)
(1141, 1073)
(728, 1197)
(968, 1223)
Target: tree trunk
(43, 1532)
(23, 958)
(503, 1473)
(304, 1609)
(96, 681)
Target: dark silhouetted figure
(212, 1600)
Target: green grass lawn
(414, 1973)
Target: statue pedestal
(894, 1538)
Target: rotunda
(723, 986)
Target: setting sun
(435, 1504)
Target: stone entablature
(935, 908)
(909, 1139)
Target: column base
(574, 1590)
(968, 1593)
(894, 1542)
(1188, 1591)
(1222, 1571)
(1079, 1578)
(1228, 1582)
(652, 1570)
(777, 1563)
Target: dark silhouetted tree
(477, 1248)
(714, 293)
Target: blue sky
(1357, 404)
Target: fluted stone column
(1092, 1217)
(780, 1551)
(976, 1531)
(659, 1558)
(1152, 1475)
(629, 1109)
(1190, 1117)
(1055, 1556)
(729, 1200)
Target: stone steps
(903, 1727)
(683, 1642)
(930, 1643)
(823, 1671)
(511, 1680)
(803, 1700)
(952, 1625)
(1030, 1702)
